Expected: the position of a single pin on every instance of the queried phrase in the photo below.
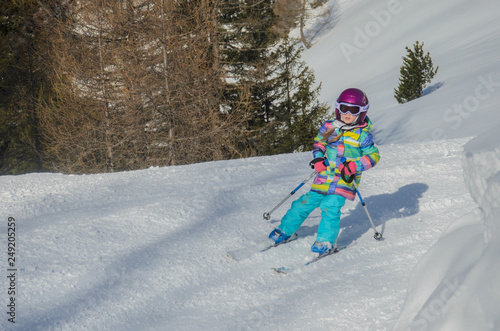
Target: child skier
(347, 136)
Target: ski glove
(318, 164)
(348, 168)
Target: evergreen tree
(267, 82)
(417, 70)
(247, 38)
(297, 112)
(20, 80)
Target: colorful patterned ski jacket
(353, 143)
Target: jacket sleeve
(319, 147)
(370, 154)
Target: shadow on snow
(383, 207)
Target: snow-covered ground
(146, 250)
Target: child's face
(348, 118)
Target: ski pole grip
(297, 188)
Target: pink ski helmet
(354, 101)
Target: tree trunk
(302, 23)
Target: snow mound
(456, 285)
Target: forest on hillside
(102, 86)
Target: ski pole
(378, 235)
(267, 216)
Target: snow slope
(365, 50)
(146, 250)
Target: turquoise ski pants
(330, 205)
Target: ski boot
(321, 247)
(278, 236)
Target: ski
(247, 252)
(311, 258)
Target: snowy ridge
(463, 292)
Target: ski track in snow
(147, 249)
